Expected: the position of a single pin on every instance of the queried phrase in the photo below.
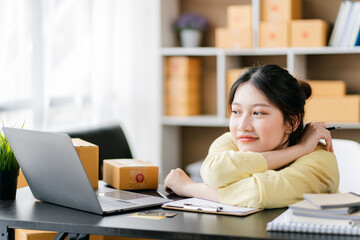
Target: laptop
(56, 175)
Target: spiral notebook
(283, 223)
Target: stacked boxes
(238, 33)
(329, 103)
(231, 76)
(182, 87)
(281, 26)
(276, 16)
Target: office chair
(347, 154)
(111, 140)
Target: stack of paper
(321, 213)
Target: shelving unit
(187, 139)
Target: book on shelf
(347, 25)
(288, 222)
(333, 200)
(340, 23)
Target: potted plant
(9, 170)
(191, 26)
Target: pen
(332, 128)
(201, 208)
(161, 195)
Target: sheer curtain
(69, 64)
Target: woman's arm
(225, 164)
(178, 182)
(316, 172)
(312, 134)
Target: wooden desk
(27, 213)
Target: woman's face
(256, 124)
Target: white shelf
(196, 121)
(182, 51)
(212, 51)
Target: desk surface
(26, 212)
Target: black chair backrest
(110, 139)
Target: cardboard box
(309, 33)
(280, 10)
(232, 75)
(181, 84)
(274, 34)
(182, 107)
(183, 66)
(333, 109)
(239, 16)
(130, 174)
(322, 88)
(233, 38)
(89, 156)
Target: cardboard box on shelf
(130, 174)
(183, 66)
(232, 75)
(180, 82)
(239, 16)
(309, 33)
(233, 38)
(280, 10)
(178, 110)
(89, 156)
(333, 109)
(321, 88)
(274, 34)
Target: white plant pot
(190, 38)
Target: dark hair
(282, 90)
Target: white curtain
(69, 64)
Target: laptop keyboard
(109, 204)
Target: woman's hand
(178, 182)
(312, 134)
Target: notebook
(333, 200)
(285, 223)
(56, 175)
(206, 206)
(306, 207)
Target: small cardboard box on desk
(130, 174)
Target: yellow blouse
(243, 178)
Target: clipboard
(205, 206)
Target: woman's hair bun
(305, 88)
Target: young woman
(268, 159)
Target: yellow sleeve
(225, 164)
(316, 172)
